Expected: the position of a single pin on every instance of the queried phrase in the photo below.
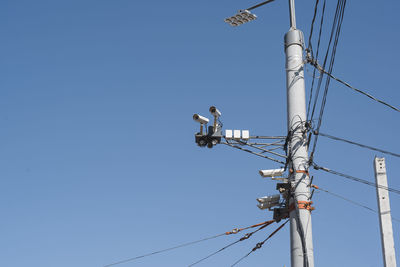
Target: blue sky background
(98, 160)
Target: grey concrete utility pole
(302, 254)
(385, 218)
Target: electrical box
(228, 134)
(236, 134)
(245, 134)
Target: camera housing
(200, 119)
(215, 112)
(272, 173)
(268, 202)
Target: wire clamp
(246, 236)
(234, 231)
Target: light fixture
(240, 18)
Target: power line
(324, 64)
(358, 144)
(321, 69)
(312, 24)
(340, 15)
(356, 179)
(164, 250)
(234, 231)
(349, 200)
(316, 56)
(245, 237)
(336, 29)
(260, 244)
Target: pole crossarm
(267, 137)
(262, 149)
(260, 154)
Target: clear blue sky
(97, 155)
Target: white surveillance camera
(272, 173)
(215, 112)
(200, 119)
(269, 199)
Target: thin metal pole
(292, 12)
(300, 218)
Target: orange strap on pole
(303, 171)
(300, 171)
(306, 205)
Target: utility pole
(295, 189)
(302, 254)
(385, 218)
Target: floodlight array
(240, 18)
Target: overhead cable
(397, 191)
(321, 69)
(325, 59)
(234, 231)
(357, 144)
(316, 55)
(349, 200)
(312, 24)
(260, 244)
(245, 237)
(336, 28)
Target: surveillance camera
(271, 173)
(215, 112)
(200, 119)
(268, 201)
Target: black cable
(260, 244)
(245, 237)
(301, 232)
(316, 58)
(312, 25)
(397, 191)
(351, 201)
(261, 4)
(325, 61)
(358, 144)
(321, 69)
(338, 28)
(163, 250)
(338, 20)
